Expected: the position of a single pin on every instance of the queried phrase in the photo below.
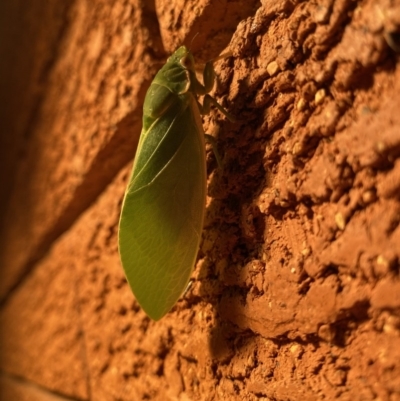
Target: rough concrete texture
(296, 292)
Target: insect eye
(186, 62)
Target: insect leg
(209, 72)
(208, 101)
(211, 140)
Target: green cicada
(163, 209)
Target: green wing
(163, 210)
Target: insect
(163, 209)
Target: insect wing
(163, 210)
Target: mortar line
(36, 387)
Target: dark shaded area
(29, 36)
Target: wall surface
(296, 291)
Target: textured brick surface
(295, 292)
(81, 134)
(12, 388)
(42, 338)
